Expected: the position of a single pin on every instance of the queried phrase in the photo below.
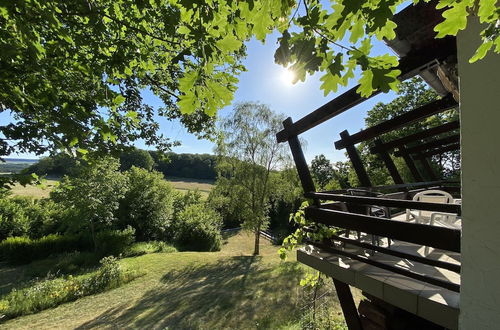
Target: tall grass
(51, 292)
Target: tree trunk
(257, 241)
(92, 232)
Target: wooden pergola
(379, 265)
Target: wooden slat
(395, 269)
(410, 163)
(409, 65)
(422, 112)
(427, 167)
(355, 159)
(442, 150)
(300, 161)
(432, 144)
(437, 237)
(432, 262)
(388, 202)
(445, 128)
(389, 164)
(347, 304)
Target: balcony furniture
(430, 196)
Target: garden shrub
(198, 228)
(147, 205)
(14, 220)
(141, 248)
(21, 250)
(51, 292)
(114, 242)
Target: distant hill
(15, 165)
(20, 160)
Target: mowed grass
(36, 191)
(229, 289)
(43, 191)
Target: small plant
(50, 292)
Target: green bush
(141, 248)
(14, 220)
(21, 250)
(48, 293)
(198, 228)
(114, 242)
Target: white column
(480, 134)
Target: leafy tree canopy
(73, 70)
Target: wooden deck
(434, 303)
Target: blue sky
(263, 82)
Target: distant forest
(195, 166)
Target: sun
(287, 77)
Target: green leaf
(365, 88)
(481, 51)
(187, 103)
(486, 10)
(73, 142)
(183, 30)
(455, 19)
(119, 99)
(229, 44)
(186, 83)
(357, 31)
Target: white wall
(480, 134)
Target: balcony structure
(409, 271)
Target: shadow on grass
(236, 292)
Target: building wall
(480, 134)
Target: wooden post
(355, 159)
(300, 161)
(411, 164)
(427, 167)
(348, 306)
(386, 158)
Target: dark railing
(352, 209)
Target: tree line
(194, 166)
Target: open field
(43, 191)
(36, 191)
(185, 184)
(229, 289)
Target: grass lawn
(229, 289)
(181, 184)
(36, 191)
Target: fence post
(355, 159)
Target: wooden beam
(357, 164)
(388, 202)
(347, 303)
(409, 65)
(434, 236)
(389, 164)
(442, 150)
(422, 112)
(411, 164)
(445, 128)
(300, 161)
(432, 144)
(427, 167)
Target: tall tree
(94, 196)
(248, 154)
(321, 170)
(73, 70)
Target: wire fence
(320, 309)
